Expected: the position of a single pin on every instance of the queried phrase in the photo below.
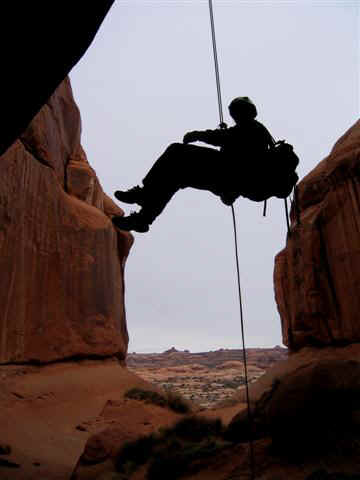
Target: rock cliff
(317, 275)
(61, 259)
(43, 40)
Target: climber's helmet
(242, 108)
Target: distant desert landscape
(206, 378)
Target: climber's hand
(190, 137)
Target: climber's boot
(135, 221)
(134, 195)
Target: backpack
(284, 161)
(276, 177)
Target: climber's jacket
(254, 166)
(248, 138)
(243, 149)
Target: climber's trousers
(180, 166)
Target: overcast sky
(147, 79)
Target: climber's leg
(153, 206)
(185, 165)
(168, 167)
(134, 195)
(180, 166)
(165, 171)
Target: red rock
(61, 259)
(305, 403)
(317, 275)
(40, 423)
(120, 421)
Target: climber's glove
(190, 137)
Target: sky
(147, 79)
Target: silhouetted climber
(241, 167)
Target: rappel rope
(287, 216)
(216, 63)
(222, 125)
(252, 456)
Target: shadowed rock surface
(61, 259)
(42, 42)
(302, 402)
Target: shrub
(173, 451)
(148, 396)
(135, 453)
(177, 403)
(171, 400)
(174, 464)
(196, 428)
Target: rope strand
(287, 216)
(222, 125)
(217, 74)
(252, 458)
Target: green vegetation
(174, 451)
(168, 400)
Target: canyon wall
(317, 275)
(61, 259)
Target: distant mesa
(171, 350)
(174, 350)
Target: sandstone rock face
(317, 275)
(305, 403)
(48, 412)
(61, 259)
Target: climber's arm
(212, 137)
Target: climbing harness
(223, 125)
